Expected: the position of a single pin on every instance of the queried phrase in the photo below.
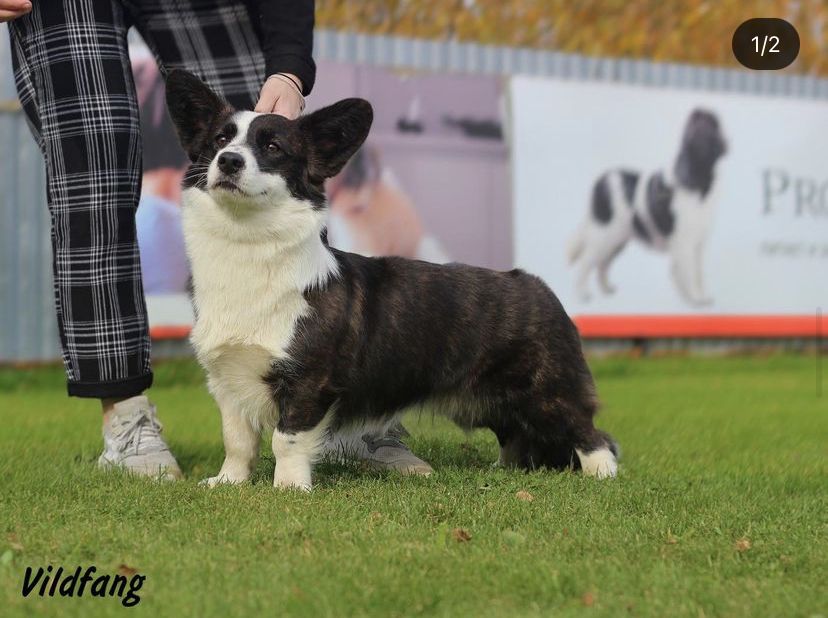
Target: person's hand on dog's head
(12, 9)
(281, 94)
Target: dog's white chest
(248, 291)
(240, 302)
(693, 214)
(244, 294)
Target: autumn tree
(692, 31)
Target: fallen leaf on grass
(510, 537)
(14, 542)
(126, 571)
(460, 535)
(742, 545)
(524, 495)
(588, 599)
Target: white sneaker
(383, 451)
(132, 440)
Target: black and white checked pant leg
(215, 39)
(75, 84)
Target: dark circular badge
(766, 44)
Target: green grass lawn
(719, 509)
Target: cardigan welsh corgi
(297, 335)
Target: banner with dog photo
(644, 201)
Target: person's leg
(73, 77)
(217, 40)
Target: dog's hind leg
(604, 245)
(603, 267)
(584, 266)
(556, 430)
(598, 455)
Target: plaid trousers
(75, 84)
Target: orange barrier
(654, 326)
(170, 332)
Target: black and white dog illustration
(668, 211)
(310, 340)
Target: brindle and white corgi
(297, 334)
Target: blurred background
(495, 122)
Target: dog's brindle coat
(365, 337)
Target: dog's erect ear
(334, 133)
(194, 109)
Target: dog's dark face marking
(703, 136)
(702, 146)
(242, 153)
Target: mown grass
(720, 509)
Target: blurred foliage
(692, 31)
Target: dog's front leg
(297, 442)
(682, 269)
(698, 279)
(241, 442)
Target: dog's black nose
(230, 162)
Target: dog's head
(703, 139)
(258, 163)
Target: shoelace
(373, 442)
(142, 429)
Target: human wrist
(293, 83)
(293, 78)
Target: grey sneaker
(133, 441)
(383, 451)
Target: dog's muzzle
(230, 163)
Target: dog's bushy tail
(576, 244)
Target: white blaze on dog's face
(264, 172)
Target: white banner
(616, 208)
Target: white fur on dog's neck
(251, 260)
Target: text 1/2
(773, 41)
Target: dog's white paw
(292, 485)
(600, 463)
(222, 479)
(292, 473)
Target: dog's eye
(273, 147)
(221, 141)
